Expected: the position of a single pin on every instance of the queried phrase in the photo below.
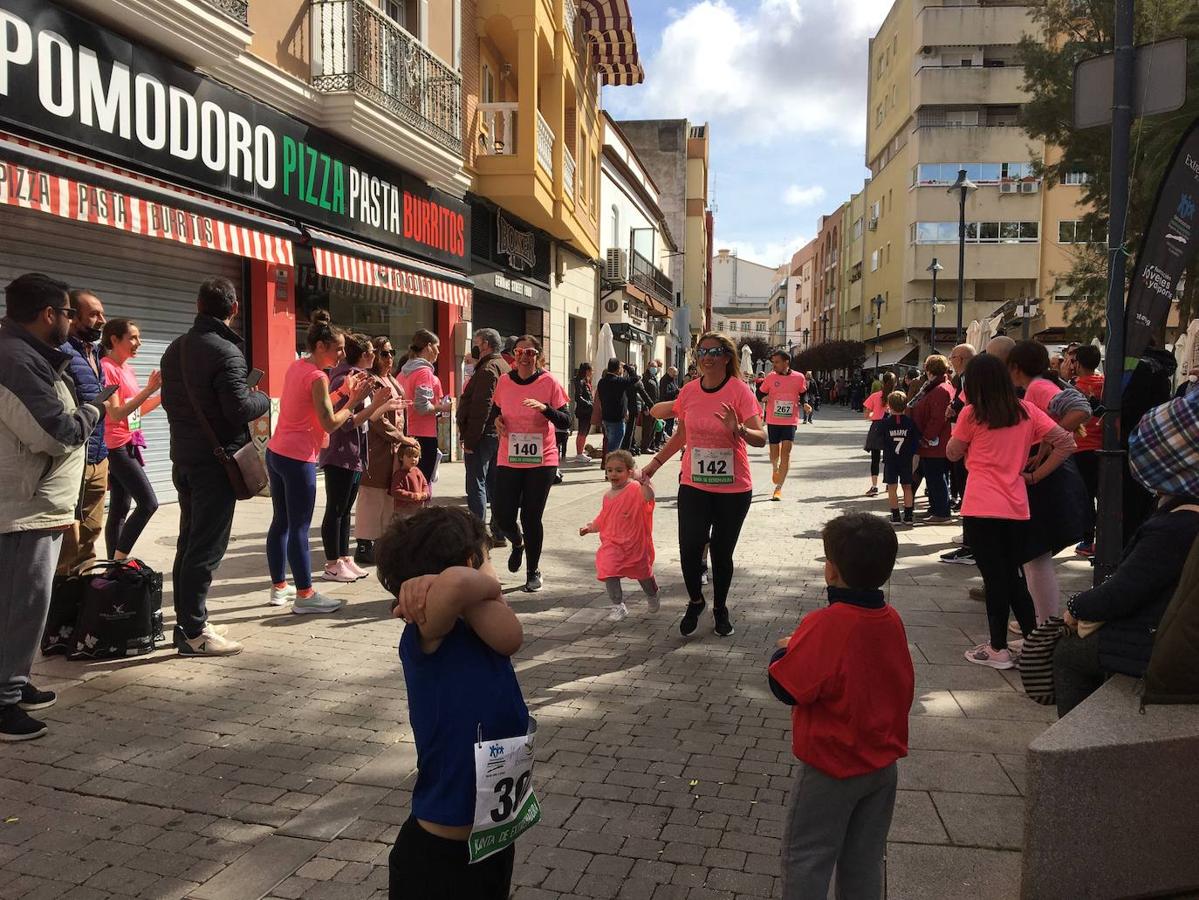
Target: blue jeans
(480, 475)
(936, 473)
(613, 434)
(293, 496)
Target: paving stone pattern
(664, 763)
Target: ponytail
(321, 329)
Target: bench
(1113, 800)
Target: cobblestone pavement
(664, 763)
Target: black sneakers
(533, 582)
(516, 557)
(724, 627)
(32, 698)
(18, 725)
(691, 618)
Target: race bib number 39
(712, 466)
(135, 421)
(505, 805)
(525, 448)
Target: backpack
(1172, 675)
(1036, 660)
(117, 610)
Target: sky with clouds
(782, 84)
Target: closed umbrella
(974, 335)
(747, 363)
(605, 349)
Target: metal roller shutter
(151, 281)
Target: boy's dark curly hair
(428, 543)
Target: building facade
(803, 293)
(740, 282)
(742, 321)
(853, 230)
(826, 318)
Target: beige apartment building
(944, 93)
(853, 241)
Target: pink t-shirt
(531, 438)
(995, 458)
(422, 424)
(715, 460)
(1040, 392)
(626, 530)
(875, 405)
(118, 434)
(783, 394)
(298, 433)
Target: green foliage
(759, 349)
(1073, 30)
(830, 356)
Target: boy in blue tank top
(462, 693)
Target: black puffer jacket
(217, 374)
(1131, 603)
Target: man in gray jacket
(43, 433)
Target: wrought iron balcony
(645, 275)
(234, 9)
(360, 49)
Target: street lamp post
(878, 328)
(936, 267)
(963, 186)
(806, 332)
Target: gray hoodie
(422, 395)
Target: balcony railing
(499, 128)
(234, 9)
(360, 49)
(568, 174)
(570, 15)
(645, 275)
(545, 143)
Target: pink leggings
(1041, 578)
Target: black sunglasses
(711, 352)
(385, 353)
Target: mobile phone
(254, 377)
(105, 394)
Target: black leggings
(341, 490)
(526, 491)
(998, 547)
(428, 457)
(875, 456)
(127, 482)
(423, 866)
(706, 517)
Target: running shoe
(282, 596)
(691, 618)
(653, 602)
(959, 539)
(872, 492)
(724, 627)
(533, 583)
(778, 493)
(316, 602)
(583, 459)
(337, 571)
(352, 568)
(18, 725)
(618, 613)
(985, 655)
(963, 556)
(515, 557)
(32, 698)
(1085, 549)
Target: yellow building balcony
(969, 86)
(973, 143)
(972, 26)
(535, 139)
(988, 262)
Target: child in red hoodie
(848, 674)
(408, 485)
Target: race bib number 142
(712, 465)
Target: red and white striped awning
(127, 201)
(608, 25)
(338, 257)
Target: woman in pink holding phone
(875, 407)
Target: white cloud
(771, 253)
(777, 68)
(803, 195)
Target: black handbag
(66, 596)
(245, 467)
(120, 611)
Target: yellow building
(945, 90)
(853, 240)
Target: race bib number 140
(525, 448)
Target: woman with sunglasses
(718, 415)
(531, 407)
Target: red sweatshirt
(850, 673)
(410, 490)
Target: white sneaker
(316, 603)
(337, 571)
(619, 612)
(583, 458)
(653, 602)
(282, 596)
(353, 568)
(209, 643)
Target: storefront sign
(65, 77)
(515, 285)
(519, 246)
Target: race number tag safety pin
(505, 805)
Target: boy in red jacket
(848, 674)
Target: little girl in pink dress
(626, 529)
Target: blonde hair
(409, 450)
(733, 362)
(897, 401)
(621, 456)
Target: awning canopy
(630, 334)
(35, 176)
(892, 357)
(608, 25)
(366, 264)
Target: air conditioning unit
(873, 223)
(616, 267)
(928, 51)
(1029, 187)
(1008, 187)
